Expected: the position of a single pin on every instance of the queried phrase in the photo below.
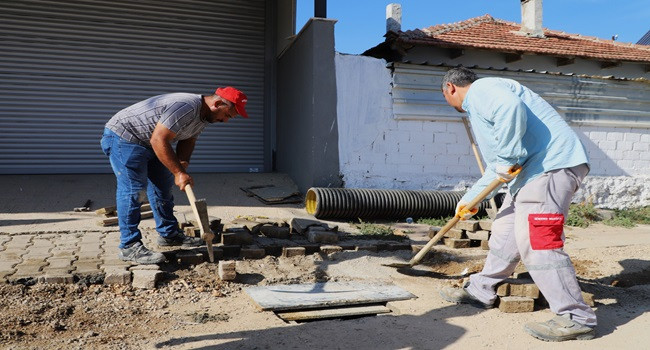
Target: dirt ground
(192, 309)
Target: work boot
(560, 328)
(138, 253)
(462, 296)
(179, 239)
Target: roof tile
(486, 32)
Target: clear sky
(362, 23)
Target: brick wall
(378, 151)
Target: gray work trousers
(530, 228)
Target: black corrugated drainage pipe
(352, 203)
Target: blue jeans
(139, 172)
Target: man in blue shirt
(515, 126)
(139, 143)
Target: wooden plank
(333, 313)
(113, 220)
(319, 295)
(110, 212)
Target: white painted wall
(378, 151)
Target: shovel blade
(398, 265)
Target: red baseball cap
(236, 97)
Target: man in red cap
(138, 141)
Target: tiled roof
(486, 32)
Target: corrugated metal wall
(67, 66)
(581, 100)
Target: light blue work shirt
(514, 125)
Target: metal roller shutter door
(67, 66)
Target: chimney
(531, 18)
(393, 18)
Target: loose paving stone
(301, 225)
(485, 225)
(117, 276)
(503, 290)
(318, 235)
(236, 238)
(310, 248)
(288, 252)
(481, 235)
(453, 233)
(516, 304)
(252, 252)
(528, 290)
(330, 249)
(275, 231)
(189, 257)
(145, 279)
(468, 225)
(227, 271)
(457, 243)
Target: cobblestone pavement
(57, 257)
(42, 238)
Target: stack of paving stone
(466, 234)
(227, 270)
(520, 294)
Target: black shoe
(180, 240)
(138, 253)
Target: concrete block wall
(378, 151)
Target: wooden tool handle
(206, 233)
(190, 193)
(451, 223)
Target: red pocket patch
(546, 231)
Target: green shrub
(619, 221)
(582, 215)
(434, 221)
(630, 217)
(366, 228)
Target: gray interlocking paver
(28, 270)
(92, 237)
(42, 253)
(86, 266)
(58, 263)
(19, 241)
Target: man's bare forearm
(166, 155)
(184, 149)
